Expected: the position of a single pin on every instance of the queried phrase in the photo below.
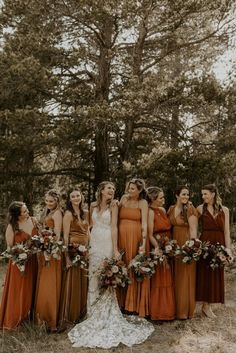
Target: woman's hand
(141, 249)
(68, 263)
(157, 251)
(117, 254)
(115, 203)
(231, 257)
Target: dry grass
(191, 336)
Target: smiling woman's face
(50, 202)
(208, 196)
(108, 191)
(183, 197)
(75, 197)
(133, 191)
(24, 213)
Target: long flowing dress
(105, 326)
(210, 283)
(136, 298)
(17, 297)
(48, 287)
(73, 303)
(184, 274)
(162, 304)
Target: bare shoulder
(163, 209)
(200, 208)
(225, 209)
(68, 214)
(57, 214)
(93, 204)
(9, 228)
(123, 199)
(143, 203)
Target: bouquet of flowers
(18, 254)
(218, 256)
(34, 244)
(50, 246)
(78, 255)
(143, 266)
(112, 273)
(191, 250)
(167, 250)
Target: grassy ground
(191, 336)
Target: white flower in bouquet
(185, 259)
(168, 248)
(23, 256)
(82, 248)
(190, 243)
(115, 269)
(124, 270)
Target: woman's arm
(114, 230)
(92, 206)
(57, 217)
(144, 216)
(193, 225)
(66, 231)
(227, 228)
(9, 235)
(150, 229)
(66, 226)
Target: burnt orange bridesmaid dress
(184, 274)
(17, 297)
(162, 304)
(73, 302)
(48, 287)
(210, 283)
(135, 298)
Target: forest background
(92, 90)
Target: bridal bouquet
(218, 256)
(50, 246)
(191, 250)
(19, 255)
(167, 250)
(78, 255)
(34, 244)
(112, 273)
(143, 266)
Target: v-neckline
(215, 218)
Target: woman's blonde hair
(140, 183)
(98, 194)
(153, 193)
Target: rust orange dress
(184, 274)
(17, 297)
(135, 298)
(73, 303)
(210, 283)
(48, 287)
(162, 304)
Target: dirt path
(199, 335)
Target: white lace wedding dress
(105, 326)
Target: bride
(105, 326)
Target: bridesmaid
(215, 228)
(132, 239)
(183, 217)
(49, 277)
(162, 303)
(17, 297)
(75, 280)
